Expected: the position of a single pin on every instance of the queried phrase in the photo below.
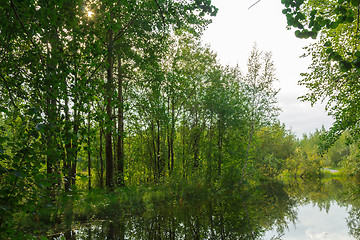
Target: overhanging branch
(254, 4)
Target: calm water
(297, 210)
(315, 223)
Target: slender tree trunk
(108, 96)
(74, 140)
(120, 143)
(183, 150)
(89, 151)
(196, 136)
(209, 158)
(168, 149)
(159, 163)
(74, 147)
(101, 158)
(172, 135)
(220, 143)
(168, 140)
(114, 142)
(153, 140)
(50, 112)
(67, 159)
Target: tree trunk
(74, 147)
(67, 159)
(108, 96)
(209, 158)
(172, 135)
(101, 158)
(158, 157)
(89, 151)
(120, 143)
(220, 143)
(183, 150)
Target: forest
(111, 108)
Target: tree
(53, 58)
(335, 58)
(307, 160)
(274, 145)
(261, 94)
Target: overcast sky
(232, 35)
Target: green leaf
(331, 56)
(350, 19)
(342, 19)
(357, 54)
(337, 57)
(313, 34)
(322, 23)
(313, 12)
(345, 66)
(3, 139)
(355, 3)
(342, 10)
(356, 64)
(4, 110)
(327, 44)
(329, 50)
(300, 16)
(334, 25)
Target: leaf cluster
(311, 18)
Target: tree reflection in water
(229, 214)
(232, 213)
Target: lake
(316, 223)
(326, 209)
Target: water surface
(316, 223)
(295, 211)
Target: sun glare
(90, 13)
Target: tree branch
(23, 27)
(254, 4)
(162, 17)
(123, 30)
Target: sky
(232, 35)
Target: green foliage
(275, 146)
(339, 152)
(261, 102)
(327, 17)
(334, 72)
(307, 162)
(132, 90)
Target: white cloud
(232, 35)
